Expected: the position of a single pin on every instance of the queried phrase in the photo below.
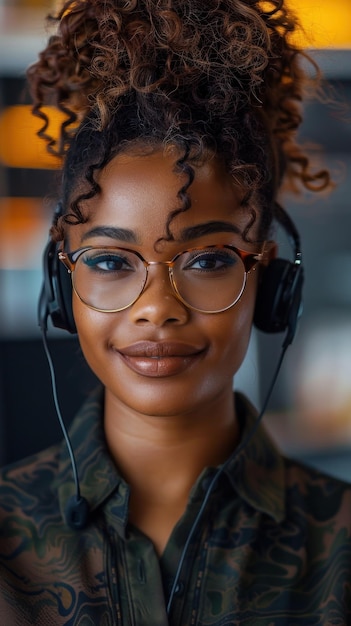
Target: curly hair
(218, 76)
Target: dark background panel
(27, 414)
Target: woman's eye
(108, 263)
(211, 261)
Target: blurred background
(309, 414)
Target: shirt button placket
(145, 584)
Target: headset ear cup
(279, 298)
(56, 293)
(63, 286)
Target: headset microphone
(77, 512)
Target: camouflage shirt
(272, 547)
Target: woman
(180, 132)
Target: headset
(278, 301)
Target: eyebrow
(187, 234)
(122, 234)
(192, 232)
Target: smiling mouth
(160, 359)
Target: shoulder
(299, 473)
(27, 483)
(310, 491)
(316, 495)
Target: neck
(160, 457)
(156, 451)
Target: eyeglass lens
(207, 279)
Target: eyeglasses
(209, 279)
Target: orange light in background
(325, 24)
(19, 144)
(24, 226)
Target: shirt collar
(256, 473)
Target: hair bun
(196, 62)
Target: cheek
(233, 329)
(92, 328)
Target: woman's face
(159, 357)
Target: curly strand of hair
(182, 166)
(319, 181)
(76, 216)
(50, 141)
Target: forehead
(139, 192)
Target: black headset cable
(77, 507)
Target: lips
(159, 359)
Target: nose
(158, 304)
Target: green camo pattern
(272, 548)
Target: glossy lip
(160, 359)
